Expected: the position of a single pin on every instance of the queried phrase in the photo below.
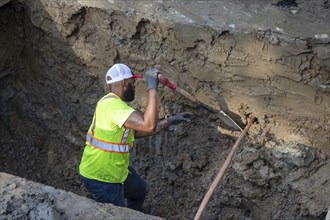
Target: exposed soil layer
(22, 199)
(269, 59)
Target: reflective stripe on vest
(108, 146)
(125, 135)
(121, 147)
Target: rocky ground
(269, 59)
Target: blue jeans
(134, 190)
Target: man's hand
(151, 76)
(181, 117)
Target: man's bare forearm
(161, 125)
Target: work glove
(181, 117)
(151, 76)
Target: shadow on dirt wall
(47, 97)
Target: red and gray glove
(151, 76)
(181, 117)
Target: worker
(104, 169)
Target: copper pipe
(222, 171)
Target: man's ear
(123, 83)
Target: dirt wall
(53, 59)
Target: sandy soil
(269, 59)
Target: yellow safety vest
(106, 154)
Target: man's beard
(129, 95)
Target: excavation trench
(53, 59)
